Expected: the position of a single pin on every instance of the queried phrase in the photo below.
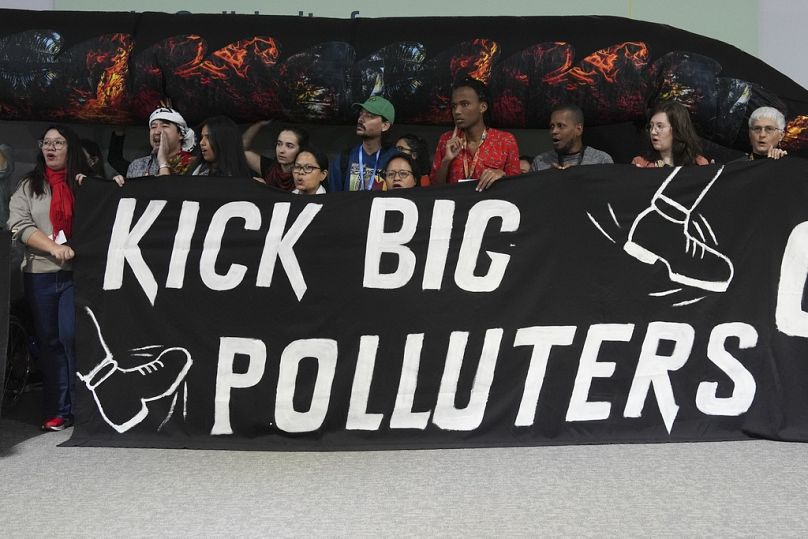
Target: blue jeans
(50, 296)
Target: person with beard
(567, 130)
(358, 168)
(474, 151)
(41, 218)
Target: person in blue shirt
(359, 168)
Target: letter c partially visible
(789, 316)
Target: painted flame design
(111, 55)
(608, 62)
(233, 58)
(477, 62)
(559, 75)
(796, 135)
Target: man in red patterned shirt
(472, 150)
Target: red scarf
(61, 208)
(276, 177)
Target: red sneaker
(56, 424)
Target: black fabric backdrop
(116, 67)
(163, 378)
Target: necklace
(579, 154)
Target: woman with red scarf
(41, 217)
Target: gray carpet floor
(753, 488)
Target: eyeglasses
(658, 127)
(400, 174)
(758, 129)
(304, 169)
(404, 149)
(56, 144)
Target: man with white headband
(172, 141)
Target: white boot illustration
(159, 376)
(660, 233)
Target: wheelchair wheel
(18, 363)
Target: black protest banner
(592, 305)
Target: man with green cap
(358, 168)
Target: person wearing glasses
(310, 171)
(401, 172)
(474, 151)
(416, 147)
(672, 139)
(358, 168)
(222, 150)
(766, 129)
(41, 217)
(172, 142)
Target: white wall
(783, 38)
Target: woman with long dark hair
(222, 149)
(672, 139)
(41, 217)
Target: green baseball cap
(376, 104)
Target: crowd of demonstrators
(41, 209)
(672, 139)
(566, 131)
(310, 172)
(275, 172)
(357, 168)
(472, 150)
(41, 217)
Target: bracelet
(164, 165)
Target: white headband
(171, 115)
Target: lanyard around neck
(362, 185)
(466, 170)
